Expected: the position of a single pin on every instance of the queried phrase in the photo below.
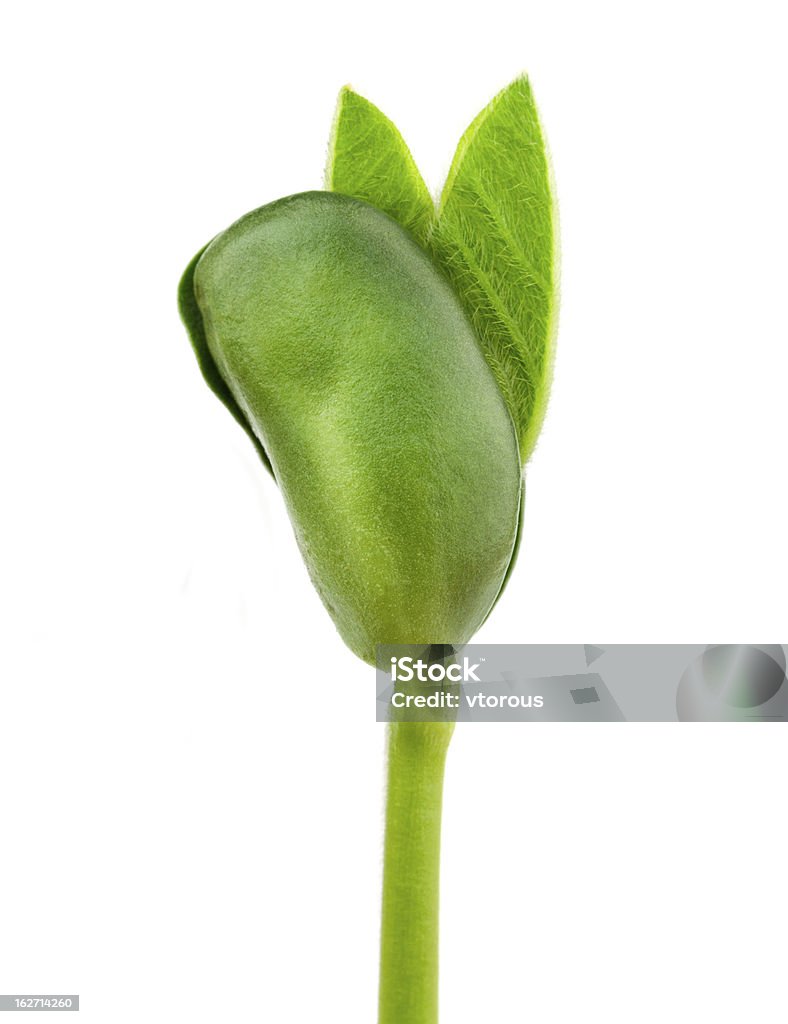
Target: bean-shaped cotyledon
(346, 355)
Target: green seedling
(390, 362)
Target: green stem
(411, 872)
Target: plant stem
(411, 872)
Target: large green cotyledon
(338, 344)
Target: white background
(179, 839)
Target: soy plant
(390, 360)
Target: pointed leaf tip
(369, 160)
(496, 239)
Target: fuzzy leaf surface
(496, 239)
(369, 160)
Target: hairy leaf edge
(424, 194)
(531, 433)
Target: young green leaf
(368, 160)
(496, 239)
